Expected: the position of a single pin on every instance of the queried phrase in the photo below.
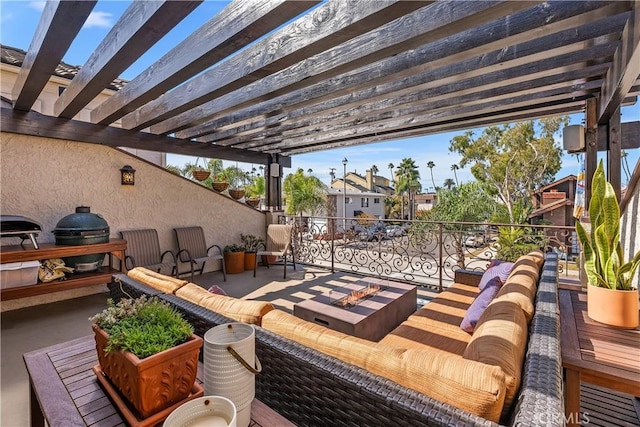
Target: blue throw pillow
(478, 305)
(497, 268)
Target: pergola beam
(58, 27)
(236, 26)
(625, 70)
(139, 28)
(36, 124)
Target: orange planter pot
(234, 262)
(613, 307)
(153, 383)
(249, 260)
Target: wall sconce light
(127, 175)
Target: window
(364, 202)
(348, 200)
(376, 200)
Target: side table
(595, 353)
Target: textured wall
(45, 179)
(630, 230)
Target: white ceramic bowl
(209, 411)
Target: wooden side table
(64, 390)
(595, 353)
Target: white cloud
(37, 5)
(99, 19)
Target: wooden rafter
(60, 23)
(139, 28)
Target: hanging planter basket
(201, 174)
(253, 202)
(219, 186)
(236, 194)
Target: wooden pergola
(267, 79)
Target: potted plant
(200, 173)
(237, 178)
(254, 191)
(220, 182)
(251, 244)
(148, 352)
(611, 299)
(234, 258)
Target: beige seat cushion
(246, 311)
(424, 333)
(476, 387)
(161, 282)
(500, 339)
(450, 306)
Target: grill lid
(81, 223)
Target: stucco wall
(45, 179)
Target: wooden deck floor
(602, 407)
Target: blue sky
(19, 20)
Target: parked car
(561, 255)
(376, 232)
(474, 241)
(395, 231)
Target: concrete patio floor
(31, 328)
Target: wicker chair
(278, 244)
(143, 250)
(192, 248)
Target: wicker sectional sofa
(315, 376)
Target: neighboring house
(357, 203)
(10, 62)
(553, 205)
(425, 202)
(369, 183)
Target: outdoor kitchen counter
(18, 253)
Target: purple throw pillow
(478, 305)
(497, 268)
(215, 289)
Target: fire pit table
(368, 308)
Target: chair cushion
(246, 311)
(500, 339)
(475, 310)
(161, 282)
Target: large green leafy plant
(603, 254)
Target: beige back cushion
(522, 284)
(475, 387)
(246, 311)
(500, 339)
(161, 282)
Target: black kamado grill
(82, 228)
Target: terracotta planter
(219, 186)
(249, 260)
(236, 194)
(613, 307)
(234, 262)
(156, 382)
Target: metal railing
(425, 253)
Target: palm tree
(454, 168)
(449, 183)
(625, 165)
(391, 166)
(431, 165)
(374, 169)
(408, 180)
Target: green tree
(304, 193)
(408, 180)
(449, 183)
(432, 165)
(391, 166)
(454, 168)
(468, 202)
(374, 169)
(511, 160)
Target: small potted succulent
(234, 258)
(148, 352)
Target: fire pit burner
(358, 295)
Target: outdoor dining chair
(278, 243)
(143, 250)
(192, 248)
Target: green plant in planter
(252, 243)
(142, 326)
(603, 254)
(234, 247)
